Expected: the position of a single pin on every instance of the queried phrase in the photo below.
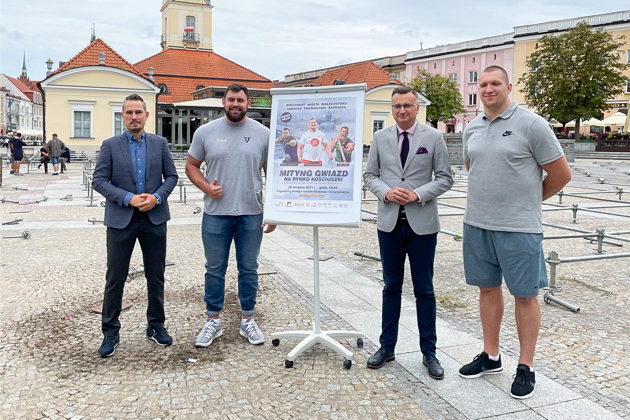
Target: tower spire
(24, 65)
(93, 37)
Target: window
(81, 118)
(118, 127)
(473, 59)
(495, 56)
(453, 63)
(452, 77)
(378, 121)
(82, 123)
(163, 89)
(434, 65)
(627, 56)
(627, 86)
(472, 99)
(190, 22)
(118, 123)
(472, 76)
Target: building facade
(22, 109)
(462, 63)
(83, 98)
(188, 71)
(526, 39)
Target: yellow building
(83, 98)
(526, 40)
(187, 24)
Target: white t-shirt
(313, 145)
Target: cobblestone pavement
(49, 366)
(587, 351)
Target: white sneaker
(209, 332)
(249, 329)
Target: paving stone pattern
(49, 367)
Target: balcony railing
(562, 25)
(191, 37)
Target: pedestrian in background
(55, 146)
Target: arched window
(199, 87)
(190, 22)
(163, 88)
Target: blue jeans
(217, 233)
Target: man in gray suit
(136, 174)
(407, 169)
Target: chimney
(151, 73)
(61, 63)
(101, 58)
(49, 64)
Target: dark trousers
(395, 246)
(120, 244)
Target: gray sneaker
(250, 330)
(209, 332)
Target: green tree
(443, 93)
(573, 75)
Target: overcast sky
(272, 37)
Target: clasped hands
(143, 202)
(401, 196)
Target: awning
(618, 118)
(201, 103)
(32, 133)
(594, 122)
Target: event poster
(314, 165)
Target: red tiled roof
(180, 88)
(20, 85)
(89, 57)
(365, 72)
(183, 70)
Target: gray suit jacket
(428, 174)
(113, 178)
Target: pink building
(462, 62)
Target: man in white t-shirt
(311, 145)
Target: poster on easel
(314, 165)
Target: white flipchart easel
(347, 217)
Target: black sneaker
(524, 381)
(159, 335)
(481, 365)
(108, 347)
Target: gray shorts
(518, 257)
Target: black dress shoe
(379, 358)
(433, 366)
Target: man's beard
(238, 118)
